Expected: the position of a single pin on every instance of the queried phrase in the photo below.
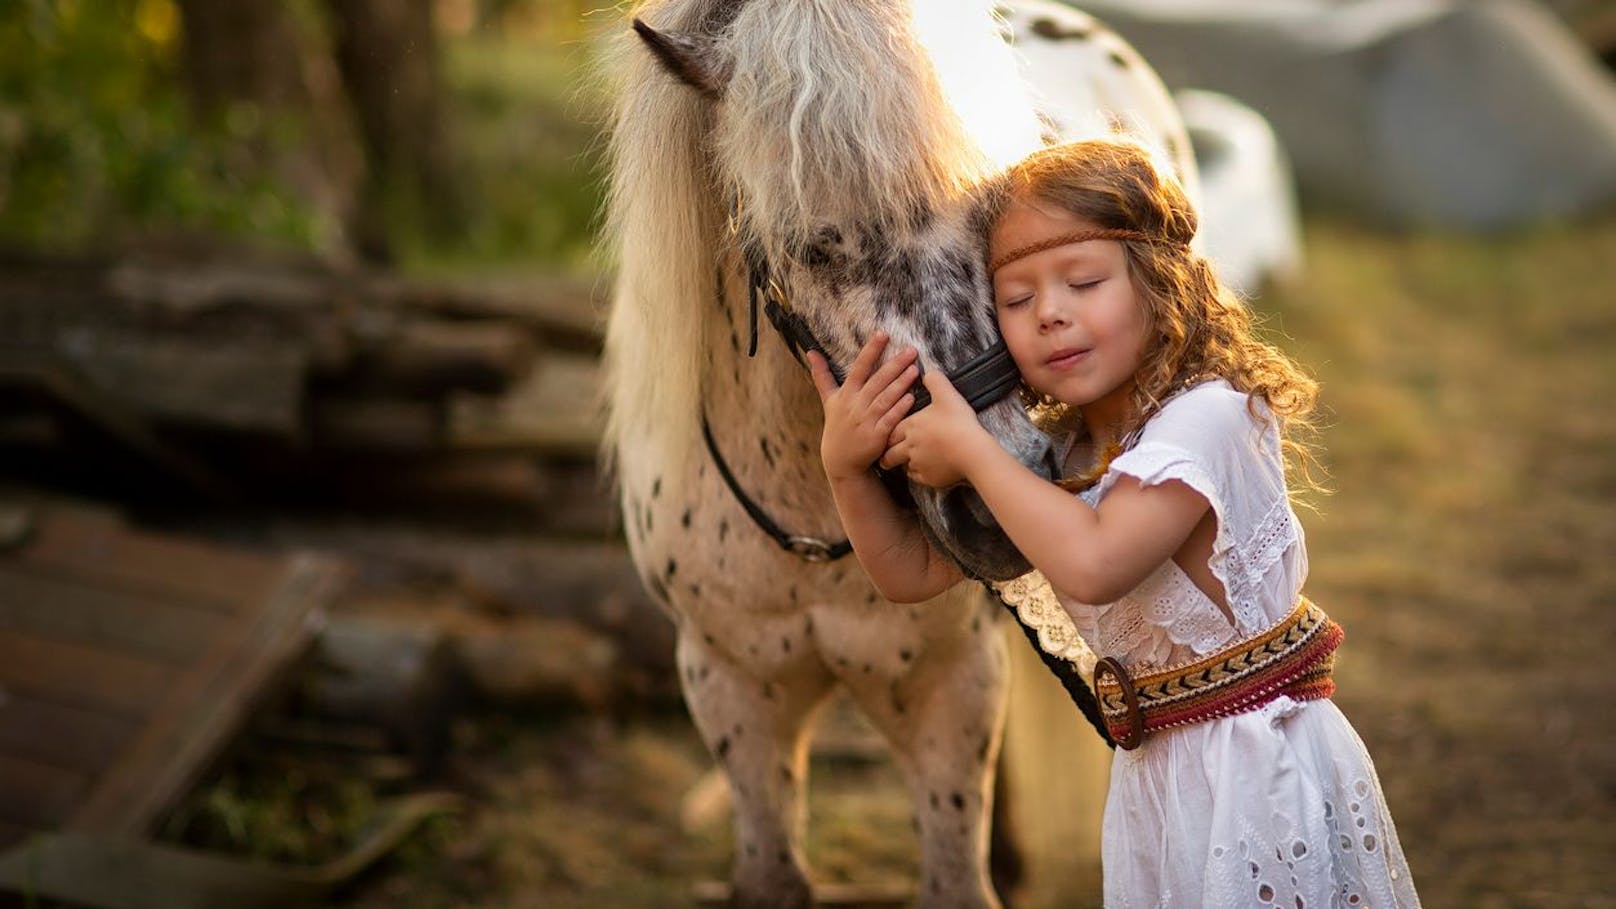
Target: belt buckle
(1135, 735)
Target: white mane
(833, 113)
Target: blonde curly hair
(1196, 327)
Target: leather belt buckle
(1134, 734)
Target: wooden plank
(35, 794)
(209, 703)
(220, 579)
(61, 734)
(93, 678)
(568, 312)
(75, 610)
(434, 357)
(128, 658)
(243, 386)
(553, 411)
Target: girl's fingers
(896, 413)
(889, 371)
(895, 387)
(939, 386)
(863, 364)
(820, 370)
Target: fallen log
(419, 357)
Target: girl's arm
(859, 418)
(1092, 555)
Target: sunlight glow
(979, 75)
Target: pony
(824, 156)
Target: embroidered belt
(1293, 657)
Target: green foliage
(98, 142)
(523, 125)
(96, 139)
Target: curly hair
(1196, 327)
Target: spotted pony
(828, 155)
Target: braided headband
(1116, 233)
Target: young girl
(1237, 782)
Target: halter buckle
(811, 549)
(778, 294)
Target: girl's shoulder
(1217, 440)
(1211, 413)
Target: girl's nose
(1051, 314)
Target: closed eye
(1015, 302)
(1085, 285)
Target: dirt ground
(1466, 549)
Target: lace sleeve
(1051, 632)
(1035, 606)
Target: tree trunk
(251, 57)
(387, 51)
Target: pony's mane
(661, 231)
(833, 113)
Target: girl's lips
(1063, 359)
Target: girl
(1237, 782)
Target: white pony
(824, 158)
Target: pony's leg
(757, 729)
(945, 722)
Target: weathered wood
(554, 411)
(592, 583)
(79, 611)
(210, 702)
(41, 376)
(70, 737)
(567, 313)
(37, 794)
(399, 676)
(378, 425)
(93, 678)
(85, 546)
(128, 658)
(238, 386)
(420, 357)
(536, 661)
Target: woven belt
(1292, 658)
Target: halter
(981, 380)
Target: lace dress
(1276, 807)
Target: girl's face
(1069, 314)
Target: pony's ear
(694, 59)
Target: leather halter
(981, 380)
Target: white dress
(1277, 807)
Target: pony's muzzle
(976, 541)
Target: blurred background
(310, 586)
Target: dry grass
(1467, 549)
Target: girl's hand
(861, 413)
(939, 442)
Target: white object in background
(1249, 226)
